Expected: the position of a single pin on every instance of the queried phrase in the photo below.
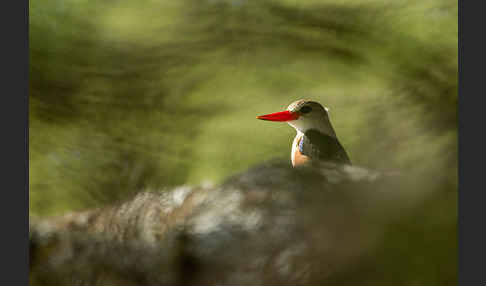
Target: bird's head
(303, 115)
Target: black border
(14, 210)
(471, 122)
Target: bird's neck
(321, 124)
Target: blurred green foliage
(133, 95)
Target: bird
(316, 140)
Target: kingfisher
(316, 139)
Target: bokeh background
(133, 96)
(127, 96)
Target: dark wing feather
(323, 147)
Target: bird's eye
(305, 109)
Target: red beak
(279, 116)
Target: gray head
(312, 115)
(303, 115)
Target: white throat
(321, 123)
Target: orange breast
(297, 157)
